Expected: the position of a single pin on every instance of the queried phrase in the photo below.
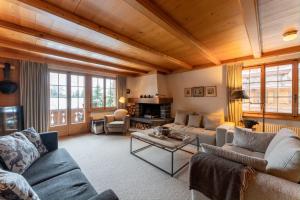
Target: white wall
(146, 84)
(213, 76)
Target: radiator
(274, 126)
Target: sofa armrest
(106, 195)
(221, 133)
(229, 136)
(50, 140)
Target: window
(110, 91)
(77, 98)
(103, 92)
(279, 89)
(251, 84)
(58, 99)
(279, 86)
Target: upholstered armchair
(118, 122)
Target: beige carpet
(107, 163)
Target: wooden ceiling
(138, 36)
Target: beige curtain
(234, 82)
(121, 90)
(34, 94)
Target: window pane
(62, 103)
(110, 93)
(62, 79)
(81, 92)
(53, 78)
(74, 92)
(63, 91)
(97, 92)
(81, 81)
(53, 103)
(74, 80)
(77, 98)
(255, 75)
(74, 103)
(279, 89)
(53, 91)
(81, 103)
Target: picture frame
(211, 91)
(198, 91)
(187, 92)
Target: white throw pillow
(17, 152)
(35, 139)
(254, 141)
(284, 159)
(194, 120)
(119, 114)
(211, 122)
(256, 163)
(14, 186)
(282, 134)
(180, 118)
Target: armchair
(118, 122)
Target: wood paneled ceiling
(138, 36)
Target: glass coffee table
(168, 144)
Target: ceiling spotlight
(290, 35)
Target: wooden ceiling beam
(79, 45)
(66, 15)
(251, 20)
(22, 55)
(45, 50)
(158, 16)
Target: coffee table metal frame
(172, 151)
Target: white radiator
(274, 126)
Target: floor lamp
(240, 95)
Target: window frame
(104, 108)
(295, 115)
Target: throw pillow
(14, 186)
(17, 152)
(180, 118)
(284, 159)
(253, 141)
(120, 114)
(256, 163)
(282, 134)
(194, 121)
(35, 139)
(211, 122)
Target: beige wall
(146, 84)
(213, 76)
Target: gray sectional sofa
(57, 176)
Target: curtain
(34, 94)
(234, 82)
(121, 90)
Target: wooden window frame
(104, 108)
(285, 116)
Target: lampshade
(239, 94)
(122, 100)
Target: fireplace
(151, 112)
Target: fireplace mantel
(155, 100)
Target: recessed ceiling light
(290, 35)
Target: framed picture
(211, 91)
(198, 91)
(187, 92)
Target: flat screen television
(11, 119)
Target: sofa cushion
(194, 120)
(205, 136)
(35, 139)
(14, 186)
(284, 159)
(253, 141)
(282, 134)
(119, 114)
(211, 122)
(115, 124)
(180, 118)
(247, 152)
(17, 152)
(256, 163)
(50, 165)
(71, 185)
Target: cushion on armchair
(119, 114)
(253, 141)
(115, 124)
(256, 163)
